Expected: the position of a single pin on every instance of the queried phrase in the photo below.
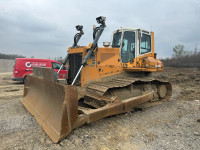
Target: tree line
(13, 56)
(183, 58)
(10, 56)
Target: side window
(56, 65)
(64, 68)
(145, 45)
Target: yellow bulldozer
(102, 81)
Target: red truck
(23, 67)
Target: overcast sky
(45, 28)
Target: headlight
(79, 27)
(101, 19)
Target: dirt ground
(172, 125)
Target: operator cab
(132, 43)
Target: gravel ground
(171, 125)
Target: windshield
(128, 47)
(116, 39)
(145, 44)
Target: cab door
(63, 71)
(127, 51)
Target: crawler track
(99, 94)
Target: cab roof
(130, 29)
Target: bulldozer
(102, 81)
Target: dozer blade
(53, 105)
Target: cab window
(57, 66)
(145, 45)
(128, 47)
(64, 68)
(116, 39)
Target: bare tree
(178, 50)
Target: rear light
(15, 71)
